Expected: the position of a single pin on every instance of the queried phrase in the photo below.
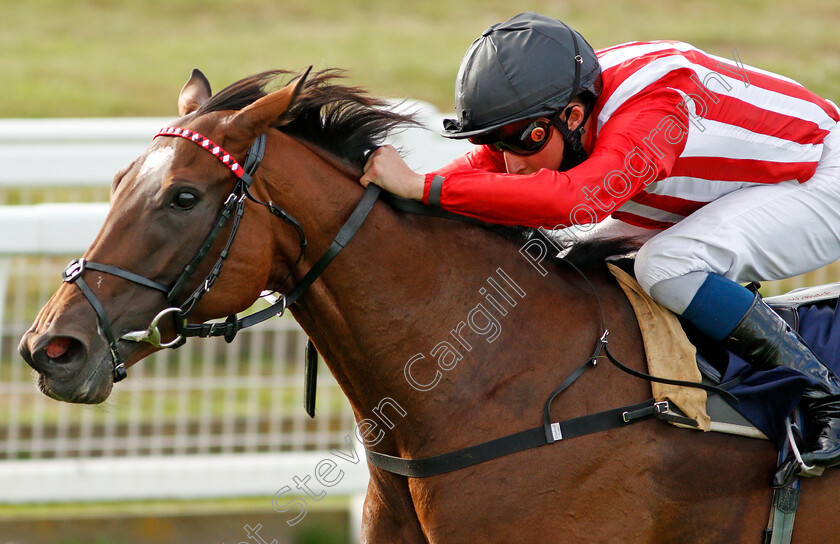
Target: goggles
(523, 138)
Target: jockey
(727, 173)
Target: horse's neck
(388, 297)
(420, 312)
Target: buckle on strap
(661, 410)
(73, 270)
(656, 408)
(120, 372)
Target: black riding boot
(765, 341)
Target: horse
(441, 333)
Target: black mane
(591, 254)
(343, 120)
(587, 254)
(349, 123)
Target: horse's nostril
(58, 347)
(60, 350)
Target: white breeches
(760, 232)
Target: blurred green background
(65, 58)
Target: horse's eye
(184, 200)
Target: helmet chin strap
(573, 152)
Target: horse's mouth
(93, 389)
(68, 368)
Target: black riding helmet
(528, 67)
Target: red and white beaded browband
(208, 144)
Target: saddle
(767, 397)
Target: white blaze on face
(156, 160)
(150, 177)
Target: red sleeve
(482, 157)
(637, 146)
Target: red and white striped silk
(674, 128)
(749, 126)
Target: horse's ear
(262, 114)
(195, 92)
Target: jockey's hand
(387, 169)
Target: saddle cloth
(674, 350)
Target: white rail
(88, 152)
(70, 152)
(208, 420)
(50, 229)
(178, 477)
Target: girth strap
(532, 438)
(547, 433)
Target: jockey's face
(551, 155)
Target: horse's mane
(592, 254)
(587, 254)
(343, 120)
(349, 123)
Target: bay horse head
(174, 214)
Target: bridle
(233, 207)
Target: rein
(547, 433)
(234, 206)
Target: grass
(65, 58)
(188, 398)
(208, 521)
(166, 507)
(197, 405)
